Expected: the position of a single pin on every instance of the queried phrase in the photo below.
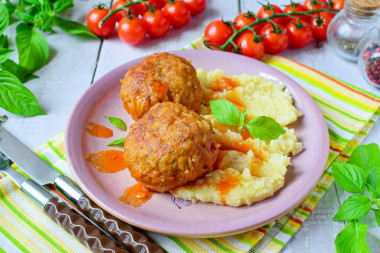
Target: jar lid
(365, 4)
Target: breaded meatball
(170, 146)
(160, 78)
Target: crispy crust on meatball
(169, 147)
(160, 78)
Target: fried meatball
(161, 77)
(169, 147)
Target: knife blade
(69, 219)
(44, 174)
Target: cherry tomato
(196, 6)
(156, 23)
(297, 8)
(249, 47)
(120, 14)
(178, 13)
(320, 28)
(138, 9)
(217, 32)
(318, 4)
(338, 4)
(94, 17)
(300, 35)
(265, 12)
(159, 4)
(274, 41)
(246, 18)
(131, 30)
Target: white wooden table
(76, 62)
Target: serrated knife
(44, 174)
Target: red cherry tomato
(196, 6)
(178, 13)
(300, 35)
(338, 4)
(318, 4)
(297, 8)
(131, 30)
(249, 47)
(217, 32)
(156, 23)
(138, 9)
(265, 12)
(320, 28)
(274, 41)
(94, 17)
(120, 14)
(244, 19)
(159, 4)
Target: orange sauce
(136, 195)
(241, 147)
(225, 83)
(107, 161)
(233, 97)
(99, 130)
(225, 185)
(245, 134)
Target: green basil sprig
(360, 175)
(262, 127)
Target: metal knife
(73, 222)
(44, 174)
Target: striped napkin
(350, 113)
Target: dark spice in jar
(371, 61)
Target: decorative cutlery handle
(87, 233)
(123, 232)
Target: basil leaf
(225, 112)
(32, 48)
(61, 5)
(73, 28)
(118, 142)
(10, 7)
(4, 18)
(4, 41)
(25, 16)
(264, 128)
(352, 238)
(16, 98)
(349, 177)
(32, 2)
(377, 216)
(354, 207)
(366, 157)
(11, 67)
(117, 122)
(372, 184)
(4, 54)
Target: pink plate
(160, 214)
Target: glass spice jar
(352, 27)
(369, 63)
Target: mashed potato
(247, 170)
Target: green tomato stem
(122, 8)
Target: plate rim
(284, 78)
